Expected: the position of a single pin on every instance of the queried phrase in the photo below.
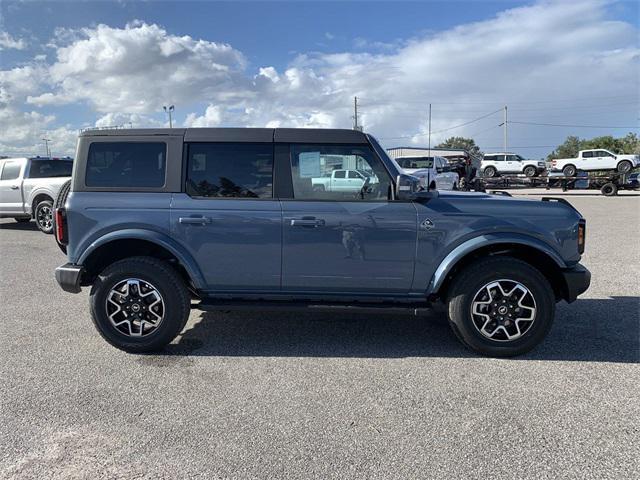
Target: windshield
(415, 162)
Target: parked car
(433, 172)
(595, 159)
(343, 180)
(494, 164)
(28, 187)
(159, 221)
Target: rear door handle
(194, 220)
(307, 222)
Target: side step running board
(415, 309)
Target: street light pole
(46, 147)
(168, 110)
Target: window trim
(185, 167)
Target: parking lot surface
(275, 395)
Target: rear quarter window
(50, 168)
(126, 164)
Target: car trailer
(609, 183)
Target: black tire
(471, 280)
(569, 171)
(609, 189)
(171, 287)
(490, 172)
(43, 214)
(433, 186)
(530, 171)
(455, 186)
(624, 166)
(22, 219)
(61, 199)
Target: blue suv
(160, 221)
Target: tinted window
(50, 168)
(415, 162)
(602, 153)
(240, 170)
(587, 154)
(353, 174)
(311, 164)
(126, 164)
(339, 174)
(490, 158)
(11, 171)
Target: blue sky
(68, 65)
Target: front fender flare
(160, 239)
(455, 255)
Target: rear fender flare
(160, 239)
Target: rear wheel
(530, 171)
(624, 166)
(569, 171)
(44, 216)
(490, 172)
(139, 304)
(501, 306)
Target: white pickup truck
(29, 186)
(595, 159)
(343, 181)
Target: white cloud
(8, 42)
(137, 69)
(558, 60)
(212, 118)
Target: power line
(566, 125)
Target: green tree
(631, 144)
(468, 144)
(570, 148)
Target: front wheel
(139, 304)
(44, 216)
(501, 307)
(530, 171)
(624, 166)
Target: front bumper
(577, 280)
(68, 277)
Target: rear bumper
(577, 280)
(68, 277)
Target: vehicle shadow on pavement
(26, 226)
(592, 330)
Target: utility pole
(505, 129)
(168, 110)
(46, 147)
(429, 130)
(355, 115)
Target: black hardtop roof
(291, 135)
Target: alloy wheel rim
(135, 307)
(503, 310)
(45, 217)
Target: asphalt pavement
(276, 395)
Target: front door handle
(307, 222)
(15, 187)
(194, 220)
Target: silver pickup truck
(29, 186)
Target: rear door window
(126, 164)
(11, 171)
(236, 170)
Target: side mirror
(406, 186)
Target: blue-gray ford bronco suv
(159, 221)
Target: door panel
(348, 246)
(236, 242)
(11, 201)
